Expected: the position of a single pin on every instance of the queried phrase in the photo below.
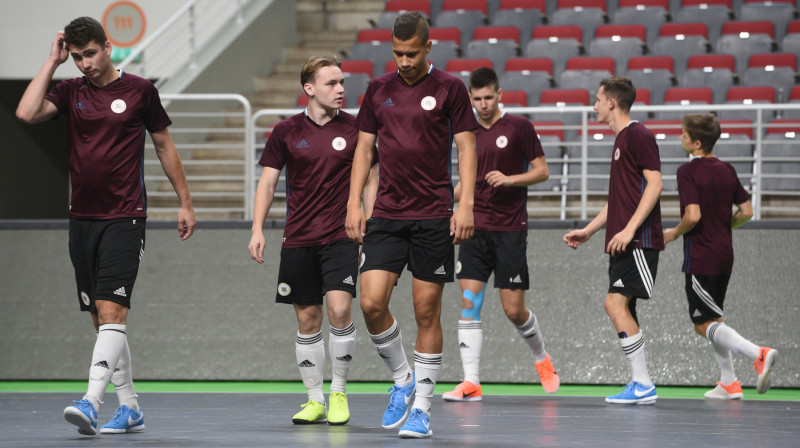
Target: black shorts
(633, 273)
(106, 256)
(706, 295)
(425, 245)
(307, 273)
(504, 252)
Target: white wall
(27, 28)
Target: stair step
(197, 186)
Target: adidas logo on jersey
(102, 364)
(306, 363)
(440, 271)
(345, 358)
(388, 103)
(516, 279)
(81, 106)
(121, 292)
(349, 280)
(425, 381)
(303, 144)
(618, 284)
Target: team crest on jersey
(501, 141)
(458, 267)
(616, 154)
(85, 298)
(428, 103)
(339, 143)
(118, 106)
(284, 289)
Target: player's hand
(576, 238)
(58, 50)
(619, 242)
(355, 224)
(670, 235)
(256, 246)
(462, 224)
(186, 223)
(496, 179)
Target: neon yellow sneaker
(338, 412)
(312, 413)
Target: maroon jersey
(318, 160)
(508, 146)
(415, 126)
(635, 150)
(714, 186)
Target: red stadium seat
(662, 128)
(783, 126)
(621, 31)
(554, 128)
(712, 62)
(749, 95)
(445, 34)
(651, 63)
(583, 4)
(664, 4)
(466, 65)
(524, 4)
(374, 35)
(794, 94)
(689, 95)
(423, 6)
(514, 98)
(555, 33)
(591, 64)
(749, 28)
(737, 127)
(530, 65)
(680, 31)
(497, 33)
(687, 3)
(565, 97)
(466, 5)
(357, 66)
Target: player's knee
(517, 314)
(372, 309)
(476, 299)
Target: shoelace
(395, 390)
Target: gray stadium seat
(650, 13)
(532, 75)
(779, 12)
(558, 43)
(746, 96)
(465, 21)
(744, 39)
(587, 17)
(781, 142)
(585, 72)
(681, 41)
(714, 70)
(620, 42)
(598, 152)
(773, 69)
(654, 73)
(524, 19)
(712, 13)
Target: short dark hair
(483, 77)
(83, 30)
(309, 71)
(410, 24)
(621, 89)
(703, 128)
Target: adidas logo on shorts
(618, 284)
(121, 292)
(348, 280)
(440, 271)
(516, 279)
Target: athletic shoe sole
(74, 416)
(763, 379)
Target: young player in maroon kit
(414, 114)
(108, 114)
(709, 189)
(510, 157)
(317, 258)
(632, 218)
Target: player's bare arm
(33, 108)
(462, 223)
(691, 216)
(538, 173)
(579, 236)
(744, 212)
(265, 193)
(356, 223)
(173, 168)
(650, 196)
(370, 191)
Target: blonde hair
(309, 71)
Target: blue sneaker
(82, 415)
(635, 393)
(418, 425)
(399, 404)
(125, 420)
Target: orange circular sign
(124, 23)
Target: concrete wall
(202, 310)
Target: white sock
(426, 367)
(725, 361)
(390, 346)
(122, 378)
(107, 352)
(530, 333)
(310, 352)
(633, 347)
(341, 347)
(726, 337)
(470, 341)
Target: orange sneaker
(548, 375)
(763, 367)
(465, 391)
(731, 391)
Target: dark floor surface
(261, 420)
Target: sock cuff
(632, 344)
(120, 328)
(528, 326)
(469, 325)
(387, 336)
(343, 332)
(427, 360)
(309, 339)
(711, 330)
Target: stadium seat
(514, 98)
(735, 146)
(642, 99)
(446, 45)
(374, 45)
(654, 73)
(357, 75)
(461, 68)
(587, 14)
(551, 135)
(780, 164)
(681, 41)
(533, 75)
(714, 70)
(620, 42)
(747, 96)
(466, 15)
(794, 98)
(598, 158)
(779, 12)
(791, 40)
(772, 69)
(396, 7)
(685, 96)
(667, 134)
(586, 72)
(562, 98)
(499, 44)
(744, 39)
(712, 13)
(523, 14)
(649, 13)
(558, 43)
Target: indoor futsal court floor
(264, 420)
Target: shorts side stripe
(705, 296)
(644, 271)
